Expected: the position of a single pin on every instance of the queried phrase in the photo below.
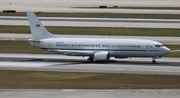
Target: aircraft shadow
(83, 61)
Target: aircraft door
(150, 49)
(49, 45)
(46, 44)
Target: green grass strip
(96, 31)
(98, 15)
(25, 47)
(70, 80)
(173, 54)
(19, 47)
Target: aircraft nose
(167, 50)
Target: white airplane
(99, 49)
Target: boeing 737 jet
(99, 49)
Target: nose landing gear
(153, 59)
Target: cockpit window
(158, 45)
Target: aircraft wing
(73, 52)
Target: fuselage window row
(68, 45)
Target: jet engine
(103, 55)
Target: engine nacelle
(103, 55)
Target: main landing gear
(154, 61)
(90, 59)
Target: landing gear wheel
(154, 61)
(90, 60)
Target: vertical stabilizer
(38, 31)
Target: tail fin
(38, 31)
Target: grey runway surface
(95, 22)
(68, 6)
(164, 40)
(81, 93)
(95, 19)
(61, 63)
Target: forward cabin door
(150, 49)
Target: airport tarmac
(95, 22)
(81, 93)
(61, 63)
(68, 6)
(76, 64)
